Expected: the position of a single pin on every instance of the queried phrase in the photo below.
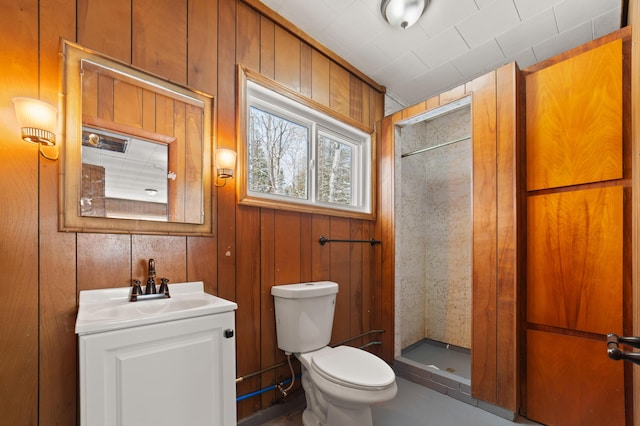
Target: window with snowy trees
(296, 156)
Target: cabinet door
(574, 120)
(173, 373)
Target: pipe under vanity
(150, 291)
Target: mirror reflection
(123, 176)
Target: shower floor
(441, 356)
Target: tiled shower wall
(433, 228)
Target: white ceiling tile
(528, 8)
(406, 67)
(446, 45)
(571, 13)
(609, 22)
(563, 41)
(496, 18)
(442, 14)
(354, 27)
(534, 30)
(479, 58)
(524, 58)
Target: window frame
(257, 90)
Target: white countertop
(110, 309)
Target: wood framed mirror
(135, 152)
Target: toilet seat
(353, 368)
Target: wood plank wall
(43, 269)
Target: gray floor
(417, 405)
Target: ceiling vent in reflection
(100, 140)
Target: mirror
(136, 154)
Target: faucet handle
(135, 291)
(164, 286)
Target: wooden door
(577, 253)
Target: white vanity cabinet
(160, 373)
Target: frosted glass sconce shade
(225, 163)
(37, 119)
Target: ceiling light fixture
(402, 13)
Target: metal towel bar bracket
(324, 240)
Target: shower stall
(434, 239)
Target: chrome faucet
(150, 291)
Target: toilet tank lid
(304, 290)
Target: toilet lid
(353, 367)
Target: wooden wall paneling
(202, 48)
(287, 59)
(90, 92)
(19, 221)
(104, 260)
(339, 89)
(57, 276)
(148, 110)
(248, 293)
(169, 253)
(575, 139)
(321, 260)
(306, 70)
(202, 73)
(269, 352)
(356, 279)
(483, 341)
(453, 94)
(306, 248)
(248, 37)
(384, 290)
(226, 137)
(340, 273)
(105, 97)
(552, 364)
(287, 247)
(105, 26)
(509, 191)
(127, 104)
(320, 78)
(267, 47)
(249, 246)
(159, 38)
(355, 104)
(575, 258)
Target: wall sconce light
(38, 122)
(402, 13)
(225, 165)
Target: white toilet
(340, 383)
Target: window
(296, 155)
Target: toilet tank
(304, 315)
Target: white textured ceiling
(454, 41)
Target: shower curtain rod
(419, 151)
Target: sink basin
(110, 309)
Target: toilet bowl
(346, 382)
(340, 383)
